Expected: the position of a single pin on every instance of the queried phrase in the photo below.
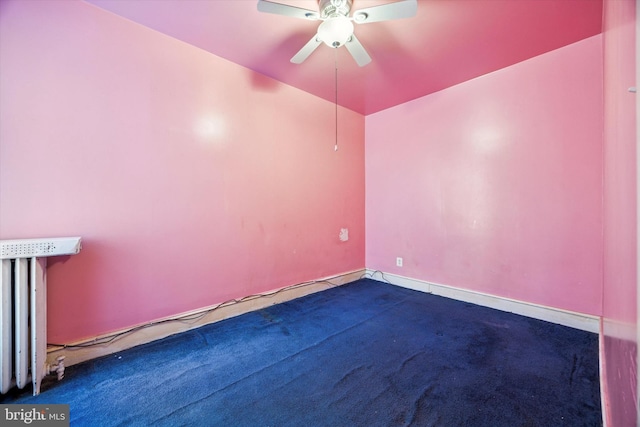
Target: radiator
(23, 310)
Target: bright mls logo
(37, 415)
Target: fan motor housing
(334, 7)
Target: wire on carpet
(108, 339)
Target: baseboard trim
(572, 319)
(603, 378)
(161, 328)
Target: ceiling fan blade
(386, 12)
(306, 50)
(358, 52)
(286, 10)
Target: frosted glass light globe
(335, 31)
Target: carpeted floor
(363, 354)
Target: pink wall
(191, 179)
(620, 271)
(495, 185)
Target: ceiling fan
(337, 27)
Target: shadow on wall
(282, 53)
(263, 83)
(71, 292)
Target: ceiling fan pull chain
(335, 51)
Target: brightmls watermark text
(35, 415)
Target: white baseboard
(603, 379)
(572, 319)
(620, 330)
(81, 351)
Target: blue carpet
(363, 354)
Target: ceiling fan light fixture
(335, 31)
(337, 26)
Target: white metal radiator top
(28, 248)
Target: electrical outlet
(399, 262)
